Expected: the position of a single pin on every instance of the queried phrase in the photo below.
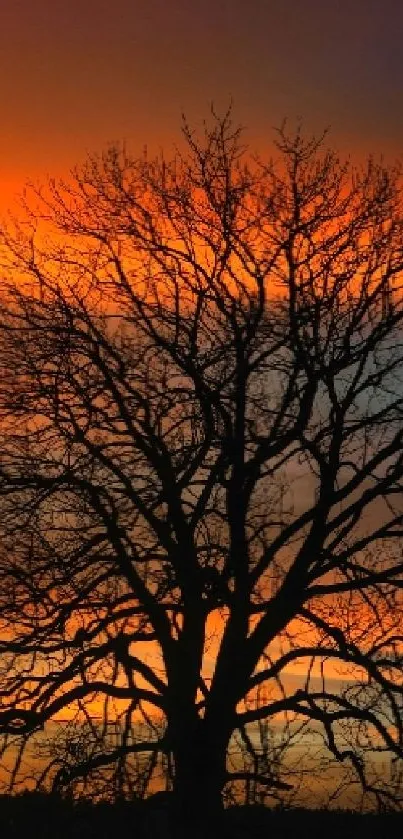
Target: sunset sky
(76, 74)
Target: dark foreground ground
(36, 816)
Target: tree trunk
(200, 772)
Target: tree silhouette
(201, 434)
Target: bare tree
(201, 429)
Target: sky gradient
(76, 75)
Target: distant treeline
(45, 816)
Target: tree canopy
(201, 405)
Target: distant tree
(201, 405)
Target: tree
(201, 431)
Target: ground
(48, 817)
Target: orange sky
(75, 75)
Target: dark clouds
(78, 73)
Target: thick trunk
(200, 771)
